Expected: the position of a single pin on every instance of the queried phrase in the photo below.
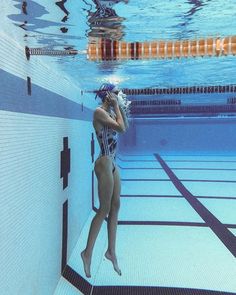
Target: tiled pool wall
(181, 135)
(45, 154)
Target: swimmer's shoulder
(99, 111)
(98, 116)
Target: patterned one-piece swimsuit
(107, 139)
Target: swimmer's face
(111, 93)
(112, 96)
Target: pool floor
(176, 230)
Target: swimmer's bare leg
(105, 189)
(112, 222)
(87, 263)
(113, 259)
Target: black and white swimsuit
(107, 139)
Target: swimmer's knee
(104, 210)
(115, 205)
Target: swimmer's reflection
(104, 22)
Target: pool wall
(181, 135)
(45, 154)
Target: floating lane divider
(231, 88)
(100, 49)
(104, 49)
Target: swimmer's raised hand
(112, 99)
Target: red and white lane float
(100, 49)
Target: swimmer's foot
(114, 261)
(87, 263)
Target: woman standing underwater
(108, 119)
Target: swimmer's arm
(124, 116)
(120, 117)
(103, 118)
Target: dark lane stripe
(64, 236)
(183, 169)
(144, 179)
(143, 290)
(103, 49)
(115, 50)
(132, 50)
(137, 50)
(77, 280)
(179, 161)
(205, 169)
(169, 223)
(86, 288)
(108, 49)
(207, 180)
(164, 223)
(200, 161)
(127, 168)
(185, 180)
(227, 238)
(149, 196)
(137, 160)
(215, 197)
(178, 197)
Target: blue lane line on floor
(144, 179)
(169, 223)
(186, 180)
(222, 232)
(205, 169)
(142, 290)
(178, 197)
(201, 161)
(140, 168)
(150, 196)
(181, 161)
(166, 223)
(181, 168)
(136, 160)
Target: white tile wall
(32, 197)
